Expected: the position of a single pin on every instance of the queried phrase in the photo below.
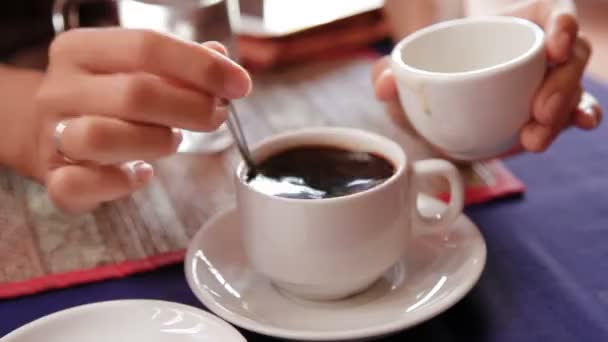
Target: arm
(17, 91)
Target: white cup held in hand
(467, 85)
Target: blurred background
(271, 33)
(593, 17)
(285, 21)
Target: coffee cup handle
(424, 224)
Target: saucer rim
(361, 333)
(74, 311)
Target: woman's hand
(560, 102)
(113, 99)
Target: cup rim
(537, 46)
(400, 167)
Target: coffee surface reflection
(317, 172)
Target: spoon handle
(234, 125)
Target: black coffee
(315, 172)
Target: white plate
(128, 320)
(437, 272)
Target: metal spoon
(234, 125)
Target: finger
(536, 137)
(107, 141)
(588, 114)
(142, 98)
(575, 100)
(379, 67)
(562, 32)
(559, 87)
(77, 188)
(113, 50)
(386, 87)
(217, 46)
(398, 116)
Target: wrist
(18, 124)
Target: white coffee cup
(330, 248)
(467, 85)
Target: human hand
(559, 103)
(112, 99)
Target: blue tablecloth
(546, 277)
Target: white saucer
(128, 320)
(436, 274)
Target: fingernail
(590, 107)
(593, 117)
(238, 86)
(594, 121)
(597, 117)
(139, 171)
(178, 136)
(216, 46)
(379, 87)
(386, 73)
(551, 108)
(219, 116)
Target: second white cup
(467, 85)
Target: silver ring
(59, 129)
